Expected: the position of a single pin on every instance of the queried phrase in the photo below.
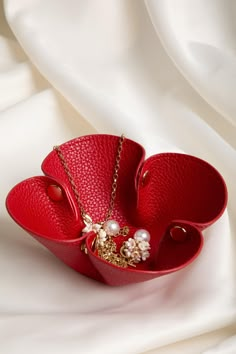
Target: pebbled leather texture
(166, 190)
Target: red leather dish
(165, 191)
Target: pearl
(142, 235)
(143, 245)
(130, 244)
(111, 227)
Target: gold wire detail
(83, 212)
(109, 253)
(71, 180)
(124, 231)
(115, 177)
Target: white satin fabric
(162, 72)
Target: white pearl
(130, 244)
(142, 235)
(111, 227)
(143, 245)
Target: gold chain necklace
(134, 249)
(84, 214)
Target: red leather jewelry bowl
(174, 196)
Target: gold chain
(71, 180)
(109, 253)
(131, 251)
(115, 177)
(114, 180)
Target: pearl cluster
(134, 250)
(137, 249)
(103, 231)
(109, 228)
